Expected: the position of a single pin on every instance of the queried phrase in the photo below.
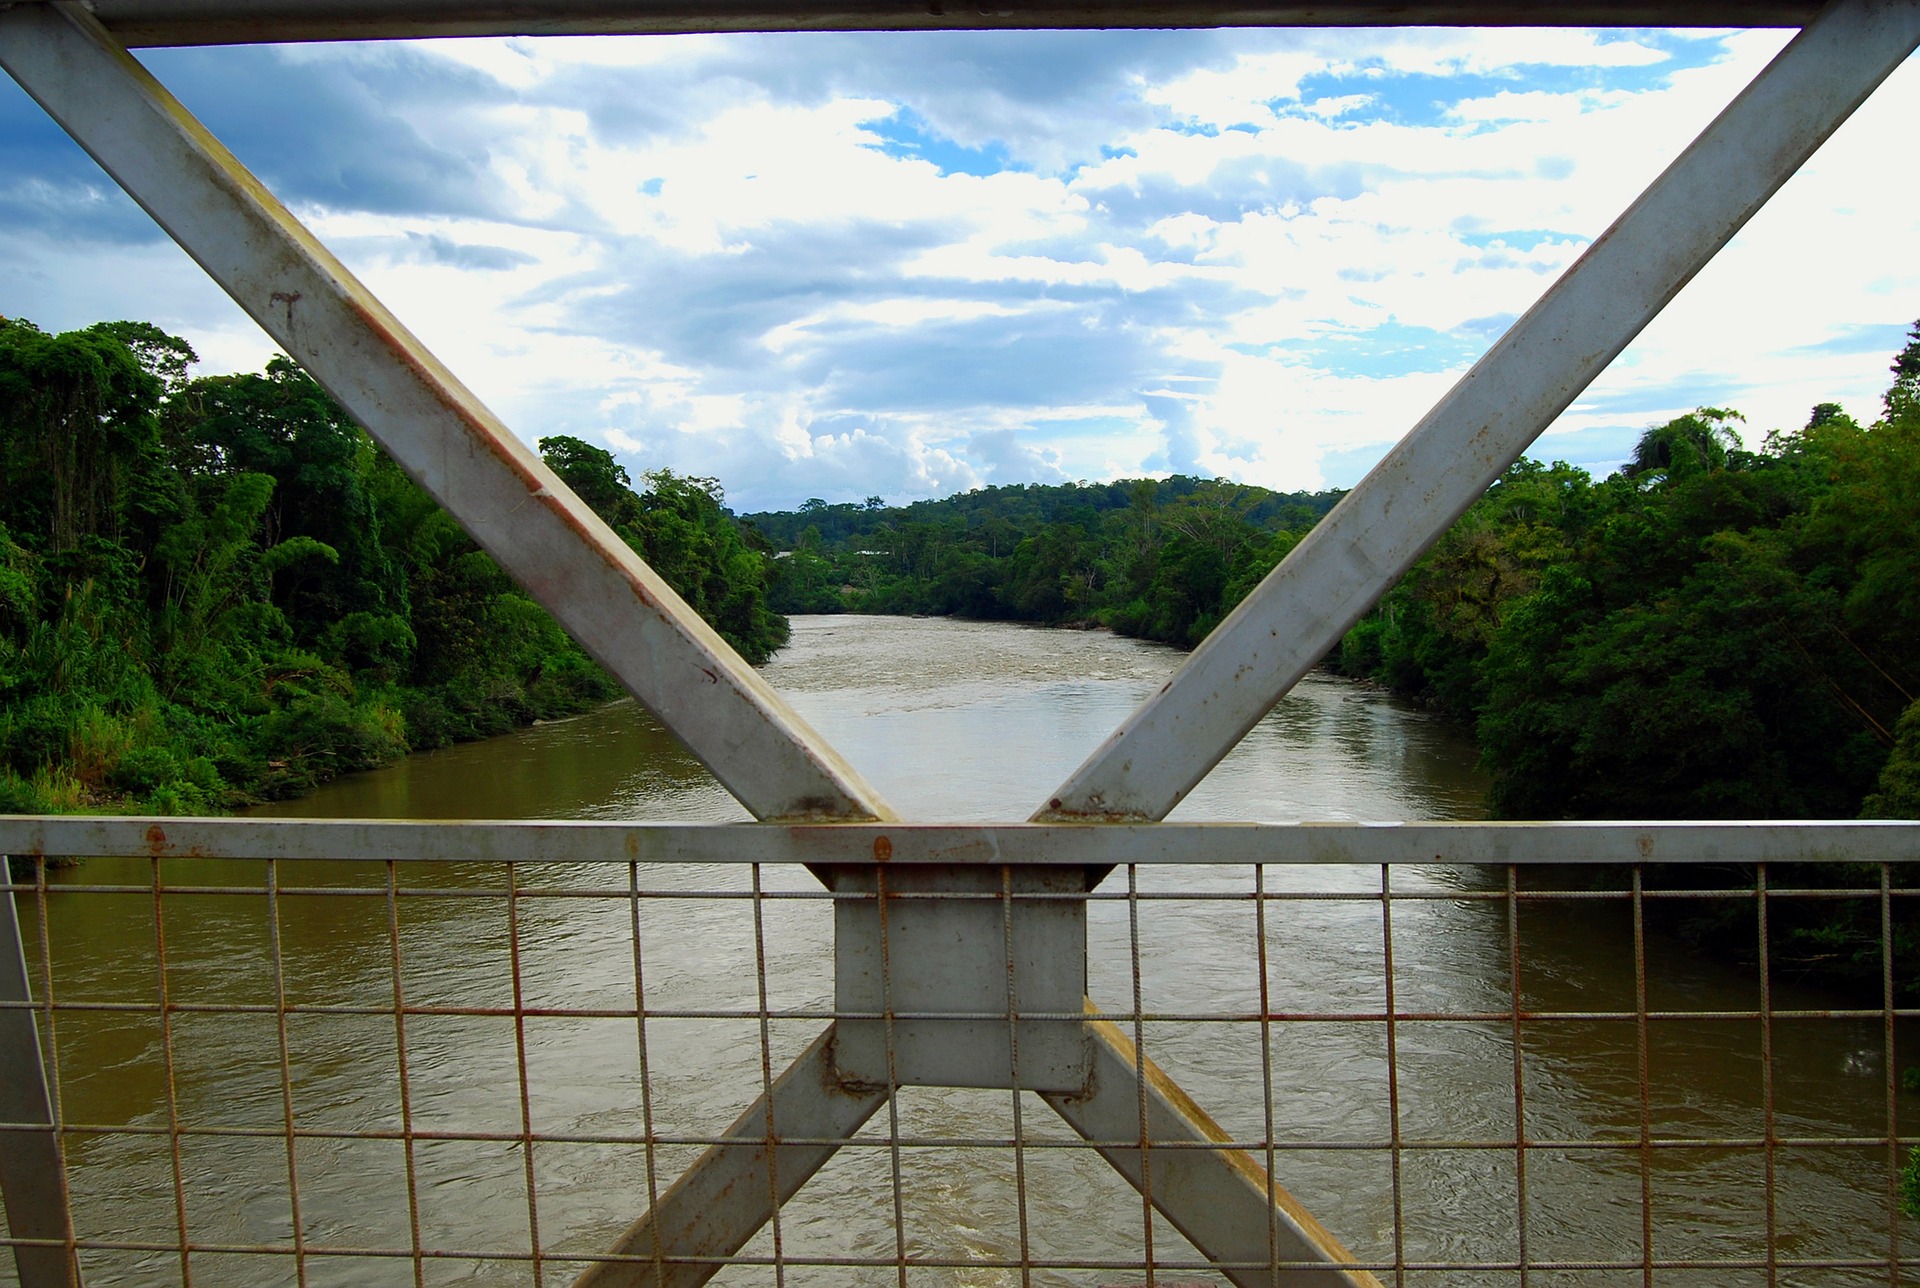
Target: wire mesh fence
(278, 1071)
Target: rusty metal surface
(33, 1175)
(1341, 568)
(545, 538)
(1215, 1194)
(184, 22)
(963, 845)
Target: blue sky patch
(1522, 239)
(907, 134)
(1658, 400)
(1864, 337)
(1599, 449)
(1425, 99)
(1346, 466)
(1390, 349)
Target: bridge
(961, 954)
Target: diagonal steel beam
(1427, 481)
(1493, 414)
(513, 505)
(440, 433)
(1220, 1199)
(735, 1187)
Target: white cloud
(841, 266)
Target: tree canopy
(1709, 633)
(1163, 559)
(218, 589)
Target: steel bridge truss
(923, 971)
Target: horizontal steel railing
(478, 1050)
(1019, 844)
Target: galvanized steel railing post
(33, 1173)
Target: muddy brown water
(949, 720)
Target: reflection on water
(949, 720)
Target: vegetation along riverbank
(1710, 632)
(216, 589)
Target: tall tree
(77, 430)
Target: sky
(909, 264)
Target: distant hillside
(1159, 558)
(1031, 503)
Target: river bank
(230, 594)
(949, 719)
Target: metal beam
(1492, 415)
(546, 539)
(713, 1210)
(550, 543)
(629, 619)
(966, 845)
(1221, 1199)
(203, 22)
(33, 1173)
(1011, 941)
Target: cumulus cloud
(902, 264)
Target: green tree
(78, 430)
(282, 425)
(594, 476)
(209, 588)
(1903, 396)
(1897, 793)
(1696, 443)
(686, 534)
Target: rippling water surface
(949, 720)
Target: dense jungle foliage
(218, 589)
(1160, 559)
(1708, 633)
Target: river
(949, 720)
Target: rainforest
(1709, 632)
(217, 590)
